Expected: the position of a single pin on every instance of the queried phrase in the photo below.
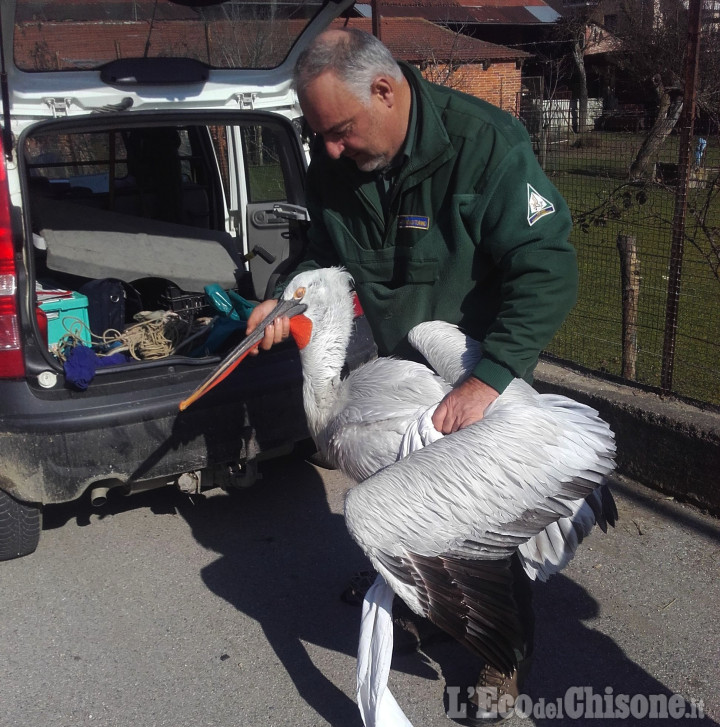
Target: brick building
(488, 71)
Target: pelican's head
(320, 306)
(326, 295)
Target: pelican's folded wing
(434, 522)
(451, 353)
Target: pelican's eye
(299, 293)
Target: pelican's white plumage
(440, 522)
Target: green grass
(593, 180)
(266, 183)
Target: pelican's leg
(411, 631)
(377, 705)
(359, 585)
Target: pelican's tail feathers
(549, 551)
(609, 505)
(553, 548)
(579, 486)
(603, 506)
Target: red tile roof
(70, 45)
(416, 39)
(506, 12)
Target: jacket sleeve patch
(538, 206)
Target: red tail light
(12, 365)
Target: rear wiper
(160, 70)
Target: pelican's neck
(322, 362)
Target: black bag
(162, 294)
(111, 304)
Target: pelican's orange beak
(300, 328)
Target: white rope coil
(156, 335)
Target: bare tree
(654, 49)
(670, 106)
(571, 32)
(440, 71)
(578, 54)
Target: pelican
(439, 517)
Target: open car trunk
(152, 236)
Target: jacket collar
(432, 146)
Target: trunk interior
(151, 241)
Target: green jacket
(475, 234)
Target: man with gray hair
(329, 96)
(434, 202)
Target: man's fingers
(259, 313)
(463, 406)
(442, 420)
(438, 417)
(276, 332)
(281, 329)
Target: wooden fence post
(630, 273)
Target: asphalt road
(220, 611)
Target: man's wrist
(493, 374)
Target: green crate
(65, 315)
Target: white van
(151, 189)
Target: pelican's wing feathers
(442, 523)
(454, 355)
(377, 403)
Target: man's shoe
(496, 693)
(494, 699)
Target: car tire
(20, 526)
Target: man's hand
(463, 406)
(274, 333)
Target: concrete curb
(663, 443)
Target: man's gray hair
(355, 57)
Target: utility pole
(678, 229)
(375, 6)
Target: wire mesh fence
(649, 303)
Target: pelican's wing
(553, 548)
(447, 349)
(441, 524)
(454, 355)
(377, 404)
